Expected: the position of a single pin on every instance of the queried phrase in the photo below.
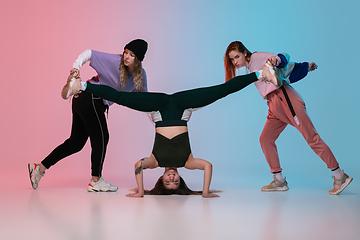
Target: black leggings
(172, 106)
(88, 121)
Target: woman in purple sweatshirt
(123, 72)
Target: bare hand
(76, 71)
(135, 195)
(273, 60)
(312, 66)
(210, 195)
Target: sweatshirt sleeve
(284, 60)
(82, 59)
(299, 72)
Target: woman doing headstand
(170, 114)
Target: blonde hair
(138, 75)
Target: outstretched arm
(300, 70)
(80, 61)
(201, 164)
(149, 162)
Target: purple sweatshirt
(108, 68)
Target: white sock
(83, 86)
(338, 173)
(279, 176)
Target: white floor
(72, 213)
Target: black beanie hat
(138, 47)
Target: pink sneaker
(268, 74)
(340, 184)
(72, 87)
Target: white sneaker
(101, 186)
(268, 75)
(35, 174)
(72, 86)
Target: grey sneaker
(72, 86)
(276, 185)
(35, 174)
(340, 184)
(101, 186)
(268, 75)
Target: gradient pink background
(187, 39)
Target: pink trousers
(279, 116)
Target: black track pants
(88, 121)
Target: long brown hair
(229, 67)
(137, 74)
(160, 189)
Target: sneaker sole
(94, 190)
(275, 189)
(66, 91)
(346, 183)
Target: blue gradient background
(187, 40)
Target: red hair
(229, 67)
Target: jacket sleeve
(284, 60)
(82, 59)
(299, 72)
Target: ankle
(338, 173)
(42, 168)
(95, 179)
(279, 176)
(83, 86)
